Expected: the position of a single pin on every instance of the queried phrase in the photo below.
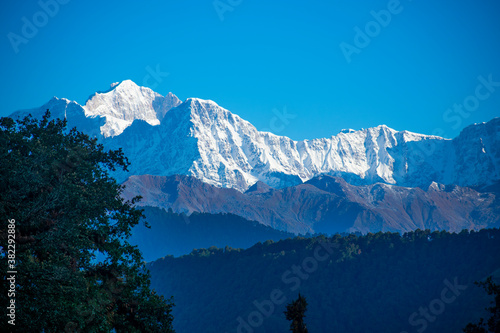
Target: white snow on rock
(126, 102)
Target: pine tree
(295, 312)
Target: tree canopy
(76, 270)
(295, 313)
(370, 283)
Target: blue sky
(278, 64)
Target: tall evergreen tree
(295, 312)
(63, 209)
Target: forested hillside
(178, 234)
(384, 282)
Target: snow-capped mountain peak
(126, 102)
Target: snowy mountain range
(163, 136)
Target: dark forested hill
(178, 234)
(384, 282)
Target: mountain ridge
(164, 136)
(326, 204)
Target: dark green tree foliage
(295, 312)
(493, 323)
(55, 185)
(372, 283)
(178, 234)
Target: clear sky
(298, 68)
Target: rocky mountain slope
(326, 204)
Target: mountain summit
(126, 102)
(162, 136)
